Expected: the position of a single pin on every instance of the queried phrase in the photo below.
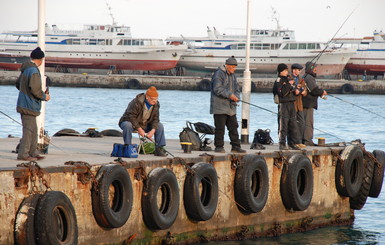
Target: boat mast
(41, 43)
(246, 85)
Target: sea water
(336, 120)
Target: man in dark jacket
(223, 105)
(310, 102)
(29, 101)
(142, 115)
(288, 126)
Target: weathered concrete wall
(228, 222)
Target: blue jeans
(126, 126)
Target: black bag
(263, 137)
(204, 128)
(189, 135)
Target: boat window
(286, 46)
(302, 46)
(293, 45)
(241, 46)
(318, 46)
(218, 44)
(311, 46)
(233, 46)
(265, 46)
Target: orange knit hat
(152, 92)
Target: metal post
(246, 86)
(41, 43)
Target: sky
(312, 20)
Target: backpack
(189, 135)
(262, 137)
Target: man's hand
(141, 132)
(234, 98)
(151, 133)
(324, 93)
(47, 97)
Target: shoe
(29, 158)
(237, 149)
(257, 146)
(297, 147)
(220, 149)
(283, 147)
(38, 157)
(160, 152)
(309, 143)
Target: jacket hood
(27, 65)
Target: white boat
(268, 48)
(95, 47)
(369, 58)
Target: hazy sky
(311, 19)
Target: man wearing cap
(142, 115)
(310, 102)
(223, 105)
(29, 101)
(300, 85)
(288, 126)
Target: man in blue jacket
(29, 101)
(223, 104)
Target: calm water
(82, 108)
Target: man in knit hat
(29, 101)
(142, 115)
(225, 94)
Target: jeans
(127, 128)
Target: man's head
(37, 56)
(152, 95)
(283, 70)
(231, 64)
(296, 69)
(310, 67)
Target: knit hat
(281, 67)
(152, 92)
(37, 54)
(231, 61)
(310, 66)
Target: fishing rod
(356, 106)
(262, 108)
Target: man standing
(310, 102)
(223, 105)
(142, 115)
(29, 100)
(300, 85)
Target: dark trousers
(222, 120)
(288, 126)
(301, 124)
(28, 143)
(307, 137)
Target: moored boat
(95, 47)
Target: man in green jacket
(29, 101)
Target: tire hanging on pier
(297, 183)
(112, 196)
(160, 199)
(24, 229)
(200, 195)
(55, 220)
(204, 85)
(349, 171)
(378, 174)
(133, 84)
(251, 184)
(359, 201)
(347, 88)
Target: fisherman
(288, 126)
(29, 101)
(310, 102)
(300, 85)
(142, 115)
(225, 94)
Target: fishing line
(356, 105)
(322, 131)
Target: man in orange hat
(142, 115)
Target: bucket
(186, 146)
(321, 141)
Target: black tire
(112, 210)
(111, 132)
(347, 89)
(378, 174)
(55, 220)
(133, 84)
(204, 85)
(350, 172)
(297, 183)
(161, 185)
(24, 229)
(251, 184)
(200, 195)
(359, 201)
(67, 132)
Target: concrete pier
(64, 170)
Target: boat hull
(369, 62)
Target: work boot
(160, 152)
(309, 143)
(297, 147)
(29, 158)
(220, 149)
(283, 147)
(237, 149)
